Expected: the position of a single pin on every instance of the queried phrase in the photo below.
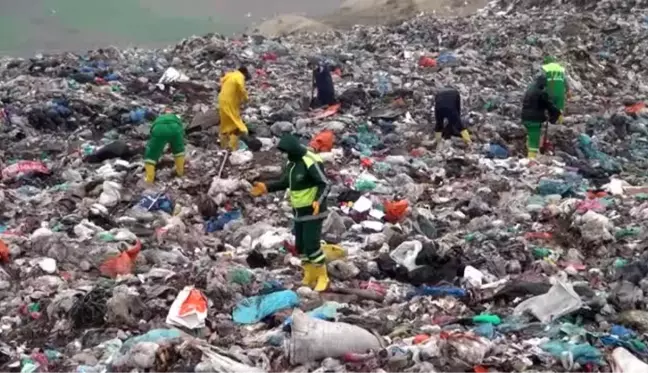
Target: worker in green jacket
(557, 85)
(166, 129)
(305, 179)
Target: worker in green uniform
(166, 129)
(557, 85)
(537, 108)
(305, 179)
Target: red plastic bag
(323, 142)
(123, 263)
(427, 62)
(24, 168)
(329, 111)
(4, 252)
(395, 210)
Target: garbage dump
(441, 255)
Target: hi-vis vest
(304, 197)
(554, 72)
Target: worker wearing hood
(323, 83)
(308, 186)
(535, 106)
(557, 86)
(166, 129)
(232, 95)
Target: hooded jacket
(303, 176)
(233, 89)
(536, 103)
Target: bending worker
(323, 83)
(166, 129)
(232, 95)
(535, 106)
(557, 86)
(447, 113)
(309, 187)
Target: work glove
(466, 137)
(258, 189)
(316, 208)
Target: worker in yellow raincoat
(232, 95)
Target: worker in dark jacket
(323, 83)
(447, 113)
(309, 187)
(535, 107)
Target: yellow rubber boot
(532, 154)
(466, 136)
(309, 275)
(233, 142)
(179, 165)
(322, 277)
(149, 172)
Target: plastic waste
(189, 309)
(395, 210)
(323, 141)
(623, 361)
(559, 301)
(311, 339)
(405, 254)
(24, 168)
(438, 291)
(254, 309)
(569, 354)
(111, 194)
(122, 264)
(155, 336)
(156, 203)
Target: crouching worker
(535, 107)
(309, 187)
(232, 95)
(166, 129)
(447, 114)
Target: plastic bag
(332, 252)
(254, 309)
(405, 254)
(559, 301)
(4, 252)
(323, 141)
(24, 168)
(111, 194)
(122, 264)
(573, 353)
(314, 339)
(395, 210)
(625, 362)
(189, 309)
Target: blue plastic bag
(162, 203)
(583, 353)
(497, 151)
(218, 223)
(326, 311)
(254, 309)
(438, 291)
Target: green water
(32, 26)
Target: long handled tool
(220, 171)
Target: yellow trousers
(229, 140)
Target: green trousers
(162, 134)
(534, 134)
(308, 235)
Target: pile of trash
(442, 256)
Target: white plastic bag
(405, 254)
(240, 157)
(111, 194)
(559, 301)
(314, 339)
(625, 362)
(189, 309)
(226, 186)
